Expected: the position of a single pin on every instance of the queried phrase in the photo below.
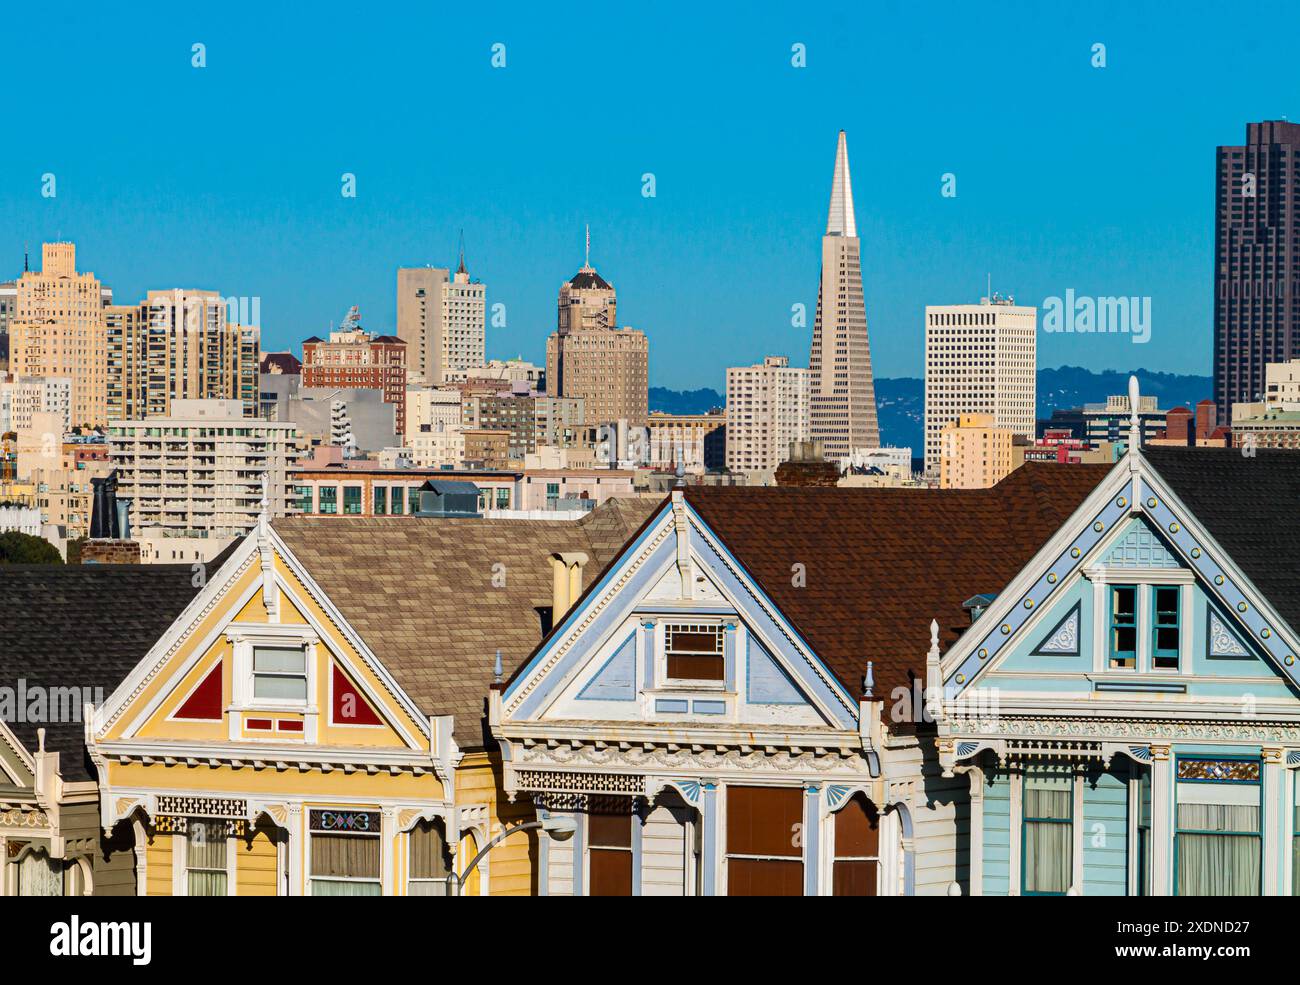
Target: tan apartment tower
(979, 359)
(767, 409)
(843, 398)
(58, 330)
(589, 356)
(442, 318)
(178, 345)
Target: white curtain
(39, 875)
(205, 858)
(1218, 850)
(1049, 844)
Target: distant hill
(684, 401)
(900, 401)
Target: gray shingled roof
(420, 592)
(1251, 506)
(83, 626)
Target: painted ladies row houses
(1082, 680)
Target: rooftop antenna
(990, 294)
(25, 253)
(461, 268)
(587, 262)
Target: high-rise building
(1256, 261)
(178, 345)
(843, 397)
(441, 316)
(58, 330)
(198, 471)
(979, 359)
(355, 359)
(589, 356)
(767, 409)
(976, 453)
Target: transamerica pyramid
(843, 399)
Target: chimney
(566, 582)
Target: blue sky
(228, 177)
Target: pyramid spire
(840, 222)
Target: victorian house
(735, 705)
(1125, 710)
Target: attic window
(279, 673)
(695, 651)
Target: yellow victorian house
(312, 723)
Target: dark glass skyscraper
(1256, 261)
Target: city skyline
(1108, 197)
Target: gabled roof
(1250, 504)
(879, 564)
(420, 592)
(84, 626)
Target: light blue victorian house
(1126, 709)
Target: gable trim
(1142, 492)
(1075, 614)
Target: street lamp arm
(459, 880)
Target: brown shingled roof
(881, 562)
(420, 592)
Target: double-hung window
(345, 853)
(1217, 844)
(279, 673)
(206, 872)
(1047, 833)
(609, 857)
(381, 500)
(430, 861)
(1165, 633)
(1123, 627)
(694, 651)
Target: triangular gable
(1064, 638)
(261, 585)
(348, 705)
(1118, 524)
(586, 657)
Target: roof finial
(1134, 420)
(497, 671)
(681, 475)
(264, 506)
(868, 681)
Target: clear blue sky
(228, 177)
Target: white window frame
(244, 639)
(668, 683)
(1145, 580)
(180, 855)
(309, 877)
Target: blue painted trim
(811, 838)
(618, 652)
(571, 618)
(709, 839)
(826, 688)
(579, 855)
(671, 706)
(1111, 653)
(638, 822)
(729, 655)
(1145, 686)
(751, 643)
(709, 707)
(648, 654)
(1156, 625)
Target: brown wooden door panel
(854, 879)
(764, 877)
(610, 872)
(764, 821)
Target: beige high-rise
(589, 356)
(59, 330)
(441, 317)
(976, 453)
(767, 408)
(979, 359)
(178, 345)
(843, 400)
